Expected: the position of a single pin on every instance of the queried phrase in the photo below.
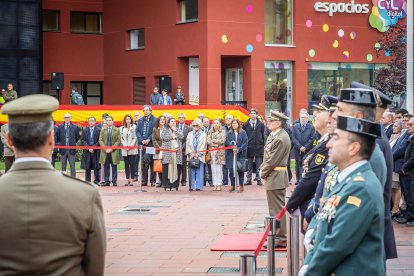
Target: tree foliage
(392, 79)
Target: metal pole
(236, 175)
(410, 62)
(293, 246)
(247, 265)
(271, 246)
(140, 172)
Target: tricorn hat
(359, 126)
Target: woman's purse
(208, 157)
(157, 166)
(194, 163)
(242, 165)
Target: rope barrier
(133, 147)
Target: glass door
(234, 84)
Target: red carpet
(240, 242)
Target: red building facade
(266, 54)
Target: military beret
(277, 116)
(359, 126)
(30, 109)
(358, 96)
(327, 103)
(382, 99)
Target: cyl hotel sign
(384, 13)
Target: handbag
(194, 163)
(157, 166)
(208, 157)
(242, 165)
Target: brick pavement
(174, 237)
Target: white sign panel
(332, 8)
(194, 77)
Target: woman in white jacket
(128, 139)
(196, 141)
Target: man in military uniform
(313, 162)
(274, 169)
(55, 223)
(348, 237)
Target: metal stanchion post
(247, 265)
(271, 246)
(140, 172)
(236, 175)
(293, 246)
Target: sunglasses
(195, 125)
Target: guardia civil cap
(359, 126)
(382, 99)
(277, 116)
(327, 103)
(30, 109)
(358, 96)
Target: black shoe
(191, 190)
(198, 190)
(135, 179)
(401, 220)
(103, 183)
(259, 183)
(158, 185)
(96, 183)
(183, 184)
(107, 183)
(248, 183)
(211, 184)
(225, 184)
(114, 184)
(144, 184)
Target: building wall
(168, 46)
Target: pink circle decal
(259, 38)
(308, 23)
(249, 8)
(281, 66)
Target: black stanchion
(140, 172)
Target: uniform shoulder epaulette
(359, 179)
(77, 179)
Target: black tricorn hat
(359, 126)
(327, 103)
(382, 99)
(358, 96)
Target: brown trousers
(276, 201)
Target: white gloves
(295, 214)
(303, 270)
(307, 241)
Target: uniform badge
(354, 201)
(328, 211)
(319, 159)
(359, 179)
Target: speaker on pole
(58, 80)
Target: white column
(410, 46)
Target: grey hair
(368, 111)
(181, 114)
(30, 136)
(399, 123)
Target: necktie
(253, 125)
(91, 136)
(181, 128)
(303, 127)
(109, 136)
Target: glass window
(91, 91)
(278, 88)
(278, 22)
(136, 39)
(50, 21)
(330, 78)
(188, 10)
(86, 22)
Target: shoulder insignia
(359, 179)
(319, 159)
(74, 178)
(354, 201)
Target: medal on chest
(328, 211)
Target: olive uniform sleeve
(275, 159)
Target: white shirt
(30, 159)
(347, 171)
(323, 137)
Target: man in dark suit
(207, 167)
(55, 151)
(184, 129)
(303, 134)
(408, 170)
(68, 135)
(255, 130)
(144, 135)
(387, 121)
(90, 157)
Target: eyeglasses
(195, 125)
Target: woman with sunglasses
(196, 142)
(216, 139)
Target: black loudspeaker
(165, 83)
(58, 80)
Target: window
(188, 10)
(278, 22)
(330, 78)
(90, 91)
(86, 22)
(136, 39)
(48, 90)
(51, 21)
(278, 86)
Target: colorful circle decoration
(335, 44)
(308, 23)
(369, 57)
(341, 33)
(345, 54)
(249, 8)
(387, 53)
(259, 38)
(385, 15)
(377, 46)
(312, 53)
(281, 66)
(352, 35)
(224, 39)
(325, 28)
(249, 48)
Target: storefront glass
(278, 22)
(278, 87)
(330, 78)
